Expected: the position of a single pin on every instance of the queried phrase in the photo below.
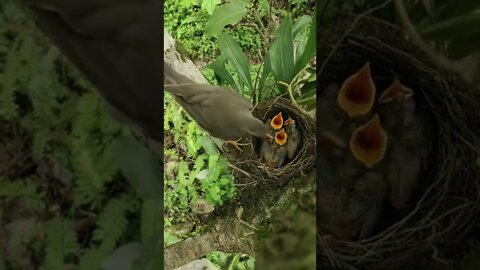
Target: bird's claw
(237, 144)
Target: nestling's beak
(281, 137)
(396, 91)
(289, 121)
(357, 95)
(277, 121)
(369, 142)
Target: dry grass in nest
(251, 171)
(447, 204)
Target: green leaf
(227, 14)
(140, 167)
(236, 58)
(265, 72)
(281, 53)
(219, 68)
(310, 48)
(209, 146)
(243, 2)
(300, 24)
(458, 27)
(209, 5)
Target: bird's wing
(122, 60)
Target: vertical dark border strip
(162, 238)
(317, 150)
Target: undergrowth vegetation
(232, 43)
(64, 202)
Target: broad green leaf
(236, 58)
(243, 2)
(140, 167)
(300, 24)
(458, 27)
(281, 54)
(462, 47)
(227, 14)
(219, 68)
(265, 72)
(456, 9)
(209, 5)
(310, 48)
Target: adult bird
(116, 44)
(220, 111)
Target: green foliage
(26, 191)
(287, 61)
(193, 167)
(186, 21)
(451, 26)
(152, 217)
(232, 261)
(58, 160)
(61, 244)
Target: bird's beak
(289, 121)
(369, 142)
(281, 137)
(357, 94)
(396, 91)
(277, 121)
(269, 136)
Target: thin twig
(349, 30)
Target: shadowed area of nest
(291, 152)
(436, 222)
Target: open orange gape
(285, 143)
(381, 137)
(357, 94)
(368, 142)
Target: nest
(436, 229)
(248, 166)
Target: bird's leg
(236, 144)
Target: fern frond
(152, 216)
(87, 115)
(39, 142)
(111, 224)
(61, 244)
(32, 199)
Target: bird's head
(257, 128)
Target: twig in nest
(368, 12)
(239, 217)
(238, 169)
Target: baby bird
(411, 143)
(274, 153)
(293, 142)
